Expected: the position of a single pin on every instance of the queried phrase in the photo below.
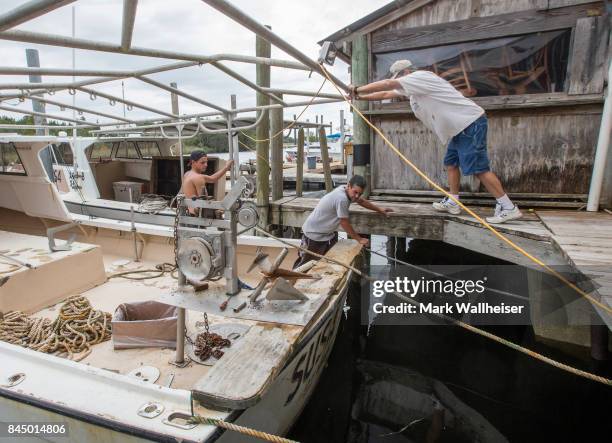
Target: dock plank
(239, 379)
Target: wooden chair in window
(458, 75)
(518, 81)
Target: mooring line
(481, 332)
(292, 123)
(240, 429)
(439, 188)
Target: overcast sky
(187, 26)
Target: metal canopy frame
(162, 119)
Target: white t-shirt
(438, 104)
(323, 222)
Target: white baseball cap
(399, 66)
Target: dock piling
(276, 148)
(263, 49)
(299, 174)
(329, 186)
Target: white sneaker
(505, 215)
(447, 205)
(498, 209)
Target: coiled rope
(77, 327)
(152, 204)
(503, 341)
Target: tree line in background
(29, 120)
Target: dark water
(445, 384)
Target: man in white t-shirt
(320, 230)
(458, 122)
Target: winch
(206, 247)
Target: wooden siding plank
(503, 102)
(530, 153)
(503, 25)
(588, 61)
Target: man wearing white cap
(456, 120)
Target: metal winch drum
(198, 259)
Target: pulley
(195, 259)
(247, 215)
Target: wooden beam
(276, 151)
(588, 61)
(502, 102)
(325, 159)
(361, 130)
(262, 132)
(503, 25)
(299, 174)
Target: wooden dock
(582, 240)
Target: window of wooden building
(526, 64)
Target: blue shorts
(468, 149)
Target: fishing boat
(64, 249)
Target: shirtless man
(195, 180)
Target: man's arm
(383, 95)
(220, 173)
(348, 228)
(369, 205)
(382, 85)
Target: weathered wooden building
(538, 68)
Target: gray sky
(194, 27)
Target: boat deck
(582, 240)
(270, 331)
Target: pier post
(263, 49)
(33, 61)
(361, 131)
(299, 174)
(175, 110)
(329, 186)
(276, 148)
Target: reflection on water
(445, 384)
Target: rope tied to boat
(77, 327)
(160, 270)
(240, 429)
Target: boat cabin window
(100, 151)
(524, 64)
(62, 154)
(125, 149)
(148, 149)
(10, 162)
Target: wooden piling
(263, 49)
(299, 174)
(329, 186)
(276, 151)
(361, 130)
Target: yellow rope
(292, 123)
(240, 429)
(254, 150)
(461, 324)
(468, 210)
(76, 328)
